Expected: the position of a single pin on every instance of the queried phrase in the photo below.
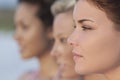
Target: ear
(50, 32)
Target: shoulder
(30, 75)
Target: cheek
(67, 51)
(69, 57)
(31, 37)
(58, 50)
(32, 41)
(100, 50)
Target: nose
(54, 51)
(16, 36)
(72, 39)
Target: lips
(64, 65)
(22, 49)
(76, 56)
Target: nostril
(69, 41)
(71, 44)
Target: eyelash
(84, 28)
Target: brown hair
(44, 13)
(110, 7)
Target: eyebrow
(83, 20)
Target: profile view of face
(63, 26)
(95, 41)
(29, 31)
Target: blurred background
(11, 65)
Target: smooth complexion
(95, 42)
(63, 26)
(33, 40)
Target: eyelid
(86, 26)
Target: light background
(11, 65)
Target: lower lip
(77, 57)
(21, 51)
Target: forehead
(85, 10)
(63, 23)
(25, 10)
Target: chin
(68, 75)
(81, 70)
(26, 55)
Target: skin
(63, 26)
(95, 41)
(29, 31)
(63, 52)
(95, 77)
(33, 39)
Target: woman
(33, 21)
(62, 27)
(96, 38)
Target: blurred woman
(33, 33)
(96, 38)
(62, 28)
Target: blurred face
(95, 42)
(29, 32)
(63, 26)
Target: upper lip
(21, 47)
(75, 53)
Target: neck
(48, 67)
(74, 78)
(95, 77)
(113, 74)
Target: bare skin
(93, 40)
(33, 40)
(63, 26)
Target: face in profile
(95, 42)
(63, 26)
(29, 32)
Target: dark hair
(44, 13)
(111, 8)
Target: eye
(84, 28)
(24, 27)
(63, 40)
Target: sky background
(8, 3)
